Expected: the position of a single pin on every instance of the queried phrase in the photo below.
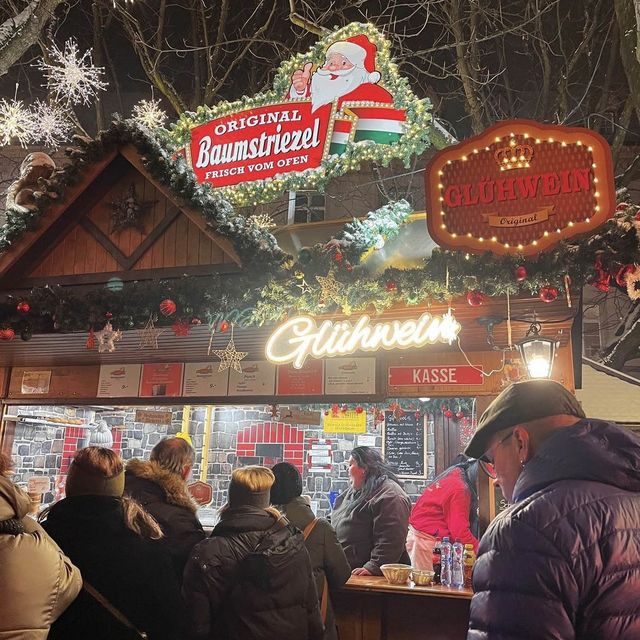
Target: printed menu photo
(204, 379)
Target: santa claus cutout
(347, 75)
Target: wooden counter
(369, 608)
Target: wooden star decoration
(229, 357)
(330, 288)
(106, 338)
(149, 335)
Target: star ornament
(330, 287)
(106, 338)
(149, 335)
(229, 357)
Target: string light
(16, 123)
(73, 76)
(148, 113)
(51, 125)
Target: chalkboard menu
(403, 444)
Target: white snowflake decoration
(72, 76)
(52, 127)
(16, 123)
(148, 113)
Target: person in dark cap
(328, 561)
(252, 578)
(563, 560)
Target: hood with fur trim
(170, 484)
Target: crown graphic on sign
(514, 156)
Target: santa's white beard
(325, 87)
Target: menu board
(119, 380)
(204, 379)
(258, 378)
(161, 380)
(306, 381)
(403, 444)
(350, 376)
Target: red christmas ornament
(335, 409)
(224, 326)
(391, 286)
(460, 415)
(167, 307)
(448, 413)
(520, 273)
(359, 410)
(548, 294)
(621, 206)
(23, 307)
(108, 315)
(418, 415)
(91, 340)
(621, 276)
(196, 321)
(602, 278)
(7, 334)
(337, 256)
(181, 328)
(475, 298)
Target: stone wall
(239, 436)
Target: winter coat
(165, 496)
(563, 561)
(373, 530)
(443, 509)
(326, 553)
(223, 603)
(37, 581)
(134, 574)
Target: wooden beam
(53, 212)
(96, 233)
(125, 276)
(132, 155)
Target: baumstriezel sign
(519, 187)
(340, 103)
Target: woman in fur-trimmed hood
(160, 486)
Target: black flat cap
(519, 403)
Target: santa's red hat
(360, 52)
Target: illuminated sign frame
(520, 187)
(303, 337)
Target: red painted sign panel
(436, 375)
(519, 187)
(260, 143)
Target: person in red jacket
(448, 507)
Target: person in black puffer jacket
(252, 578)
(562, 561)
(115, 544)
(160, 486)
(330, 566)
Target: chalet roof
(171, 176)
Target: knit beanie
(240, 495)
(87, 481)
(288, 484)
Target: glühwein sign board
(519, 188)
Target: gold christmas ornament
(149, 336)
(229, 357)
(330, 288)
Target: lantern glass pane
(537, 354)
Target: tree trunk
(19, 34)
(626, 345)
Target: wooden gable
(76, 243)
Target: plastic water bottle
(445, 569)
(457, 567)
(436, 560)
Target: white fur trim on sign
(351, 51)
